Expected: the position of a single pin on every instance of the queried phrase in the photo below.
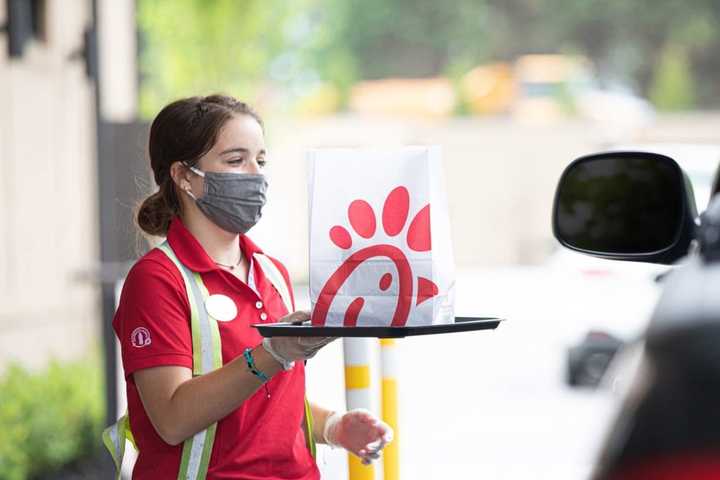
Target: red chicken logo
(363, 221)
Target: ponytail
(157, 210)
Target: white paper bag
(380, 250)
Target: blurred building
(49, 208)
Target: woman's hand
(296, 318)
(358, 431)
(288, 349)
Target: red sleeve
(152, 319)
(286, 276)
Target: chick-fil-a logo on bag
(140, 337)
(363, 221)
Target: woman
(243, 418)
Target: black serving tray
(462, 324)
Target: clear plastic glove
(288, 349)
(358, 431)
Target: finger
(381, 445)
(311, 343)
(384, 431)
(329, 340)
(375, 446)
(300, 316)
(376, 430)
(365, 417)
(311, 349)
(314, 344)
(373, 452)
(318, 340)
(367, 456)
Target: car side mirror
(634, 206)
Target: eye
(262, 162)
(236, 161)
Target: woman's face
(240, 148)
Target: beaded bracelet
(254, 370)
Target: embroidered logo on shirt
(140, 337)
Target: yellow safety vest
(207, 356)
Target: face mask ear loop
(196, 172)
(190, 194)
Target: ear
(180, 175)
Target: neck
(222, 246)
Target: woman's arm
(179, 405)
(320, 416)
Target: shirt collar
(192, 254)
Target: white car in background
(621, 295)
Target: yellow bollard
(356, 352)
(388, 360)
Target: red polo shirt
(263, 438)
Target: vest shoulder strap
(207, 356)
(276, 278)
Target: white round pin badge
(221, 308)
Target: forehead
(241, 131)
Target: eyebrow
(239, 150)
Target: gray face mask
(232, 201)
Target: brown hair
(183, 131)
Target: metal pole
(388, 365)
(357, 394)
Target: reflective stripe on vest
(207, 356)
(114, 440)
(207, 351)
(273, 273)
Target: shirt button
(258, 305)
(263, 316)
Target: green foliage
(673, 85)
(413, 38)
(287, 48)
(198, 47)
(49, 419)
